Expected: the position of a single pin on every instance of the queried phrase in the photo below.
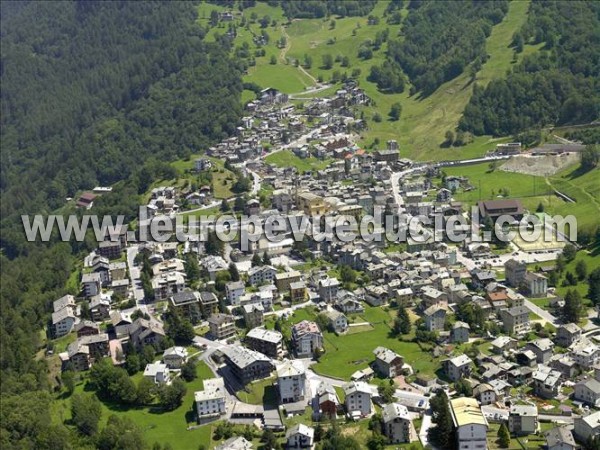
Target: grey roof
(184, 297)
(243, 357)
(385, 354)
(265, 335)
(395, 411)
(592, 384)
(559, 435)
(523, 410)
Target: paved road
(134, 277)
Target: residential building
(546, 382)
(63, 302)
(158, 372)
(209, 304)
(235, 443)
(267, 342)
(99, 308)
(397, 424)
(514, 272)
(92, 284)
(470, 424)
(86, 328)
(387, 362)
(485, 394)
(146, 332)
(63, 321)
(328, 289)
(587, 427)
(337, 321)
(291, 381)
(298, 291)
(457, 367)
(435, 318)
(536, 285)
(284, 279)
(588, 392)
(523, 419)
(261, 275)
(77, 356)
(211, 402)
(233, 291)
(311, 204)
(542, 348)
(300, 436)
(585, 353)
(568, 334)
(253, 315)
(460, 332)
(504, 343)
(188, 304)
(560, 438)
(221, 326)
(167, 284)
(515, 320)
(247, 365)
(306, 338)
(175, 357)
(358, 399)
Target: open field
(487, 184)
(163, 427)
(584, 189)
(285, 158)
(348, 353)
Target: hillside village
(298, 335)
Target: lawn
(285, 158)
(487, 184)
(348, 353)
(584, 188)
(259, 392)
(163, 427)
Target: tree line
(558, 84)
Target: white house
(233, 291)
(397, 424)
(175, 357)
(291, 381)
(337, 321)
(587, 427)
(358, 399)
(261, 275)
(210, 402)
(300, 436)
(470, 424)
(158, 372)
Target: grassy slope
(585, 189)
(519, 185)
(286, 158)
(424, 121)
(168, 427)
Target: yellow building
(311, 204)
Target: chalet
(457, 367)
(358, 399)
(388, 363)
(300, 436)
(175, 357)
(397, 424)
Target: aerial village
(292, 336)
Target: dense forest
(440, 39)
(310, 9)
(92, 93)
(559, 84)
